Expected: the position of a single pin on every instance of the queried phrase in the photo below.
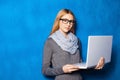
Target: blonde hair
(59, 15)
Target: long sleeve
(47, 68)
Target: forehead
(68, 16)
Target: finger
(71, 70)
(100, 64)
(97, 66)
(76, 67)
(73, 66)
(100, 67)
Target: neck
(64, 33)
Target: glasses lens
(65, 21)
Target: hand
(68, 68)
(100, 63)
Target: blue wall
(25, 25)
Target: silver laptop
(98, 46)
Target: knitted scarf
(69, 44)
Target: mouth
(67, 28)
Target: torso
(60, 58)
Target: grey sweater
(55, 58)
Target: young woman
(62, 49)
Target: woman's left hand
(100, 63)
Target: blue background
(26, 24)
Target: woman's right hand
(68, 68)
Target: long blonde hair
(59, 15)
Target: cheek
(61, 25)
(71, 26)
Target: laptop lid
(98, 46)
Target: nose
(68, 23)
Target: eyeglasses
(65, 21)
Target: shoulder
(49, 41)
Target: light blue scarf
(69, 44)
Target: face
(66, 23)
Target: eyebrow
(67, 19)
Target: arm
(80, 49)
(47, 58)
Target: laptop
(98, 46)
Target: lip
(67, 28)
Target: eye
(65, 20)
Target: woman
(62, 49)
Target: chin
(66, 31)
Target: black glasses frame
(66, 21)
